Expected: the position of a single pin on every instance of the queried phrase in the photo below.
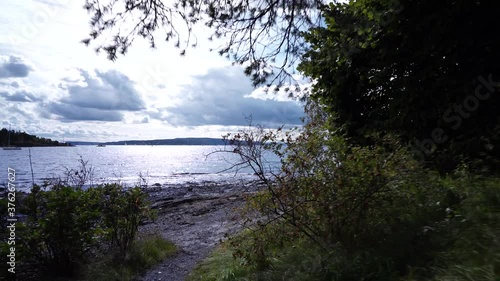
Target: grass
(219, 266)
(300, 263)
(297, 260)
(144, 254)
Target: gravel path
(196, 218)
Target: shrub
(340, 211)
(60, 229)
(65, 226)
(373, 207)
(122, 211)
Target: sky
(52, 85)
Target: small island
(22, 139)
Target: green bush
(432, 227)
(339, 211)
(67, 226)
(122, 211)
(462, 245)
(62, 226)
(372, 203)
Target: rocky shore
(196, 218)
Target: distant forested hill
(23, 139)
(178, 141)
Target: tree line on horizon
(22, 139)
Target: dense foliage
(344, 211)
(64, 228)
(424, 70)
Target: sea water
(130, 165)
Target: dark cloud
(19, 96)
(101, 98)
(110, 90)
(70, 113)
(13, 67)
(217, 98)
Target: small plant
(77, 177)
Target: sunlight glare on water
(158, 164)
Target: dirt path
(195, 218)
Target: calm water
(159, 164)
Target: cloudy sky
(52, 85)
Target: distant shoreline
(176, 141)
(22, 139)
(11, 138)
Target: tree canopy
(425, 70)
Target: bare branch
(258, 33)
